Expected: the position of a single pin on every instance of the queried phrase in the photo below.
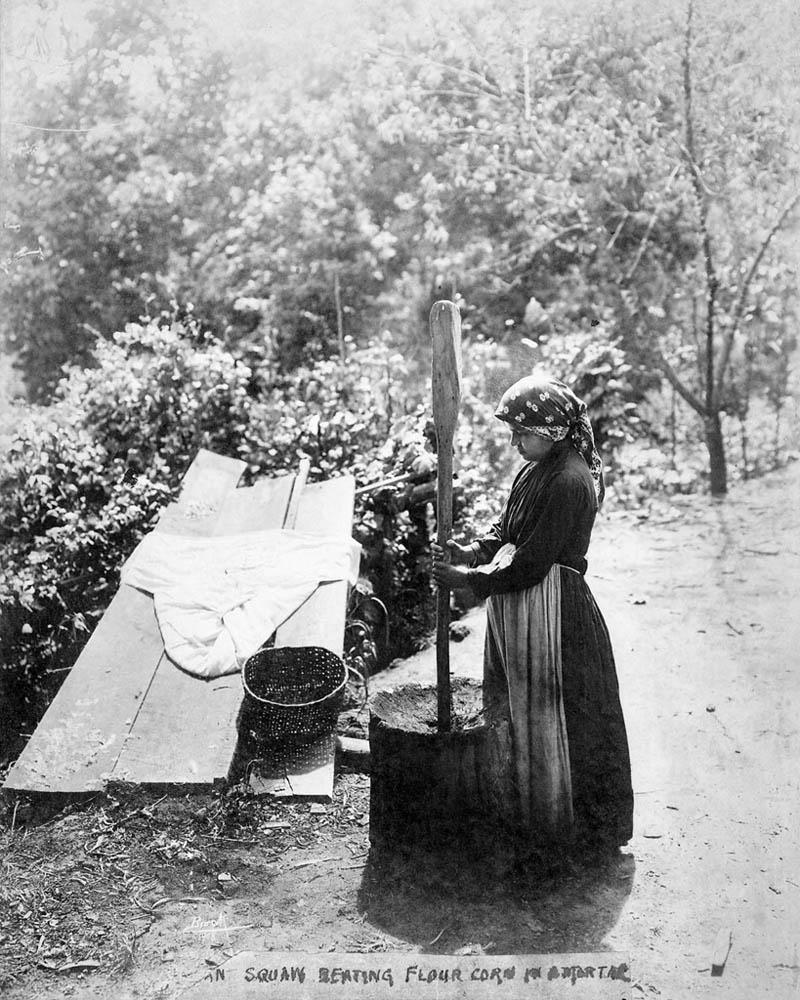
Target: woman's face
(533, 447)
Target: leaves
(284, 236)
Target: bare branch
(712, 281)
(696, 337)
(624, 218)
(645, 239)
(41, 128)
(471, 94)
(522, 259)
(697, 174)
(486, 86)
(526, 81)
(674, 380)
(738, 311)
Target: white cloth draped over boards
(523, 659)
(218, 599)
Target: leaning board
(80, 737)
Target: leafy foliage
(86, 476)
(538, 171)
(541, 169)
(67, 517)
(110, 191)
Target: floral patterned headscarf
(546, 406)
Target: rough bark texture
(431, 789)
(716, 455)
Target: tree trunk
(673, 428)
(776, 450)
(716, 455)
(337, 295)
(437, 790)
(745, 450)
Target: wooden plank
(206, 486)
(80, 737)
(445, 327)
(297, 491)
(299, 772)
(185, 734)
(81, 734)
(210, 478)
(326, 509)
(256, 508)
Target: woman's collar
(559, 448)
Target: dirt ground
(139, 895)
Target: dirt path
(702, 603)
(708, 669)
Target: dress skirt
(549, 669)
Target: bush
(85, 478)
(156, 394)
(68, 519)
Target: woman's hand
(452, 577)
(445, 573)
(460, 555)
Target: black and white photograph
(399, 499)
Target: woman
(548, 663)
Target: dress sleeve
(548, 538)
(485, 547)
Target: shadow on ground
(443, 903)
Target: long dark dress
(569, 731)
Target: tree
(722, 183)
(563, 173)
(110, 189)
(299, 259)
(543, 168)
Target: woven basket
(293, 694)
